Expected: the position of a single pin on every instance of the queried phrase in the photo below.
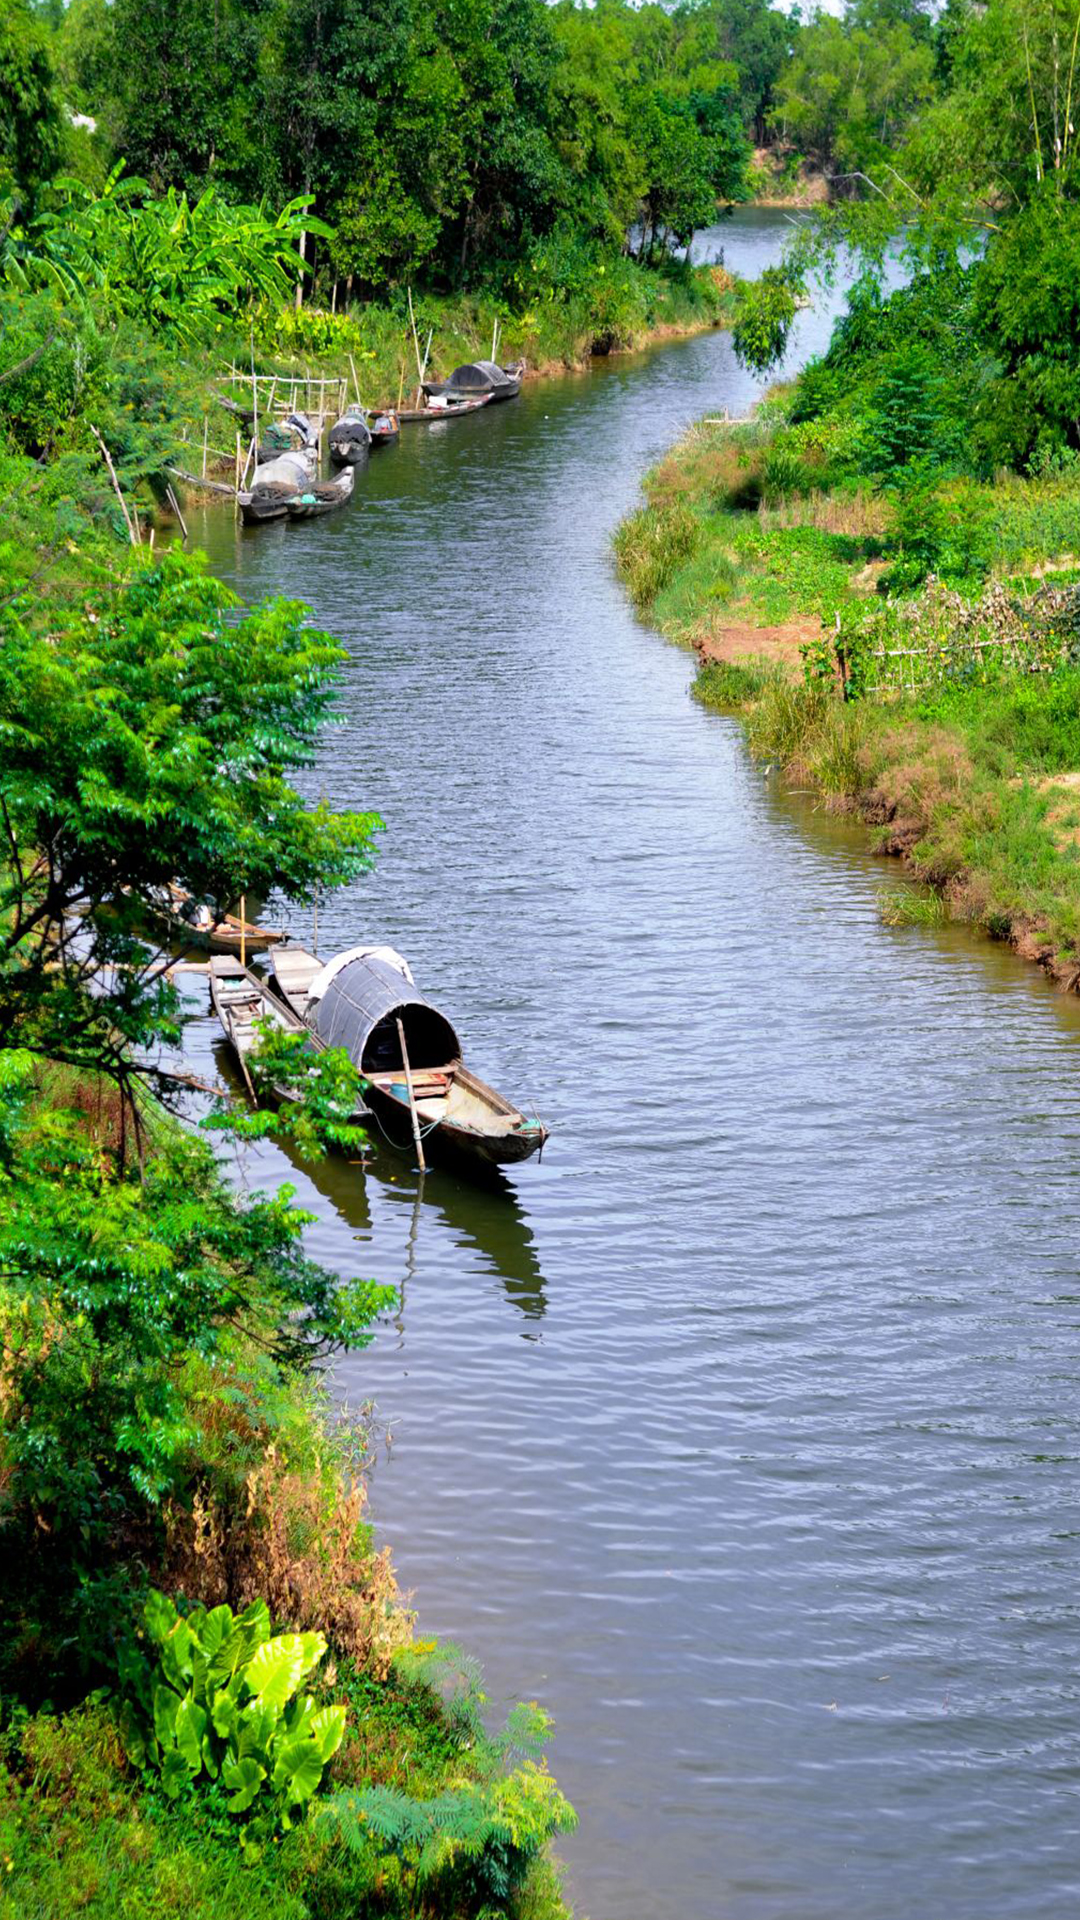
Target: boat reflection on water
(482, 1211)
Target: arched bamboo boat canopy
(359, 1008)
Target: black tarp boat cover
(479, 376)
(359, 1010)
(351, 426)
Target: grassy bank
(945, 717)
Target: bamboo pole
(254, 394)
(243, 929)
(401, 382)
(175, 504)
(415, 336)
(315, 923)
(355, 381)
(205, 438)
(237, 489)
(132, 535)
(413, 1115)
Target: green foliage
(79, 1835)
(218, 1700)
(111, 1283)
(30, 113)
(911, 907)
(907, 424)
(147, 738)
(320, 1095)
(176, 265)
(766, 309)
(853, 88)
(475, 1839)
(946, 532)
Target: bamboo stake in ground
(205, 436)
(132, 535)
(414, 1116)
(415, 336)
(355, 381)
(170, 495)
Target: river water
(741, 1430)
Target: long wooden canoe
(453, 412)
(195, 925)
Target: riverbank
(422, 1806)
(946, 719)
(372, 350)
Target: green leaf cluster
(218, 1699)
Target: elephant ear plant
(215, 1696)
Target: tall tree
(30, 122)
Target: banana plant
(216, 1695)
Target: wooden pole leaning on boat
(413, 1115)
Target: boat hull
(505, 1149)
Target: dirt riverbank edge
(994, 840)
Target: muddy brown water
(742, 1431)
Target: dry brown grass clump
(299, 1541)
(862, 515)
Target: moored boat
(349, 439)
(480, 376)
(384, 430)
(293, 433)
(443, 408)
(194, 924)
(415, 1080)
(274, 484)
(322, 496)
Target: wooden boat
(192, 923)
(274, 484)
(292, 434)
(322, 496)
(366, 1001)
(349, 439)
(453, 410)
(384, 430)
(480, 376)
(241, 1000)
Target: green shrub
(217, 1700)
(945, 532)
